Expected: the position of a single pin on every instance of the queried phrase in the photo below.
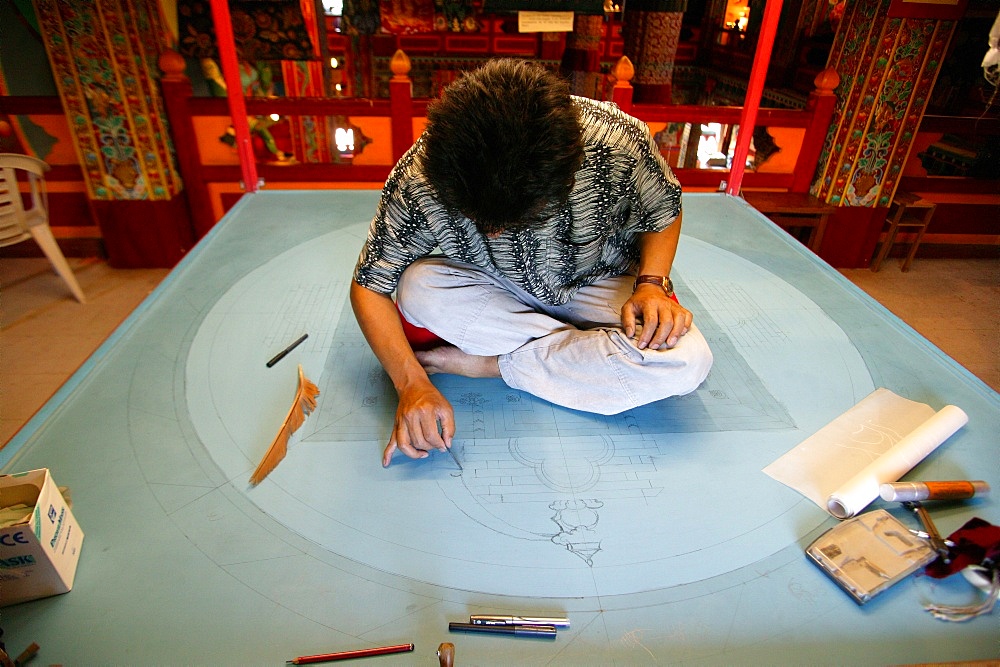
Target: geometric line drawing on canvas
(734, 311)
(296, 314)
(574, 479)
(587, 523)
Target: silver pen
(450, 450)
(494, 619)
(455, 459)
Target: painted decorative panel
(103, 55)
(887, 69)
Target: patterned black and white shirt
(623, 188)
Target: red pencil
(347, 655)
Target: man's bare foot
(450, 359)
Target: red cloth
(419, 338)
(976, 543)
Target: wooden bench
(794, 210)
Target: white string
(957, 614)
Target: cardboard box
(38, 555)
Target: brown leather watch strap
(662, 281)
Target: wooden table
(791, 210)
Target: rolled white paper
(859, 491)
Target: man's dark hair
(503, 144)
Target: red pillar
(581, 60)
(652, 33)
(234, 92)
(755, 88)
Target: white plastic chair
(18, 224)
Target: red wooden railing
(182, 108)
(755, 88)
(226, 42)
(815, 119)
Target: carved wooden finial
(400, 64)
(826, 81)
(172, 65)
(623, 71)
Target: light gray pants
(575, 355)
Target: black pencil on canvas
(281, 355)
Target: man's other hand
(664, 321)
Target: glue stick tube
(953, 490)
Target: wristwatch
(662, 281)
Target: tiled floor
(45, 335)
(953, 303)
